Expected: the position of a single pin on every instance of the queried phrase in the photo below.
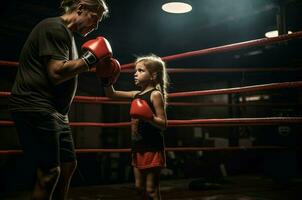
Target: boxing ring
(197, 122)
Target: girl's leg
(140, 183)
(152, 183)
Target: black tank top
(145, 136)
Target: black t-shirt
(145, 136)
(32, 89)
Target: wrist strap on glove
(89, 59)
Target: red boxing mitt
(140, 109)
(95, 50)
(108, 71)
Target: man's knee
(48, 177)
(68, 168)
(73, 165)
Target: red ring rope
(253, 88)
(226, 70)
(197, 70)
(105, 100)
(224, 48)
(194, 122)
(199, 122)
(178, 149)
(229, 47)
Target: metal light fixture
(176, 7)
(274, 33)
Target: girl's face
(142, 76)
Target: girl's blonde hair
(155, 64)
(70, 5)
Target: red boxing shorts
(146, 160)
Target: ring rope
(223, 69)
(236, 121)
(105, 100)
(178, 149)
(223, 48)
(4, 63)
(195, 70)
(229, 47)
(200, 122)
(253, 88)
(230, 104)
(193, 122)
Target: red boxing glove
(96, 49)
(108, 71)
(140, 109)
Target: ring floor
(233, 188)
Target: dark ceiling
(138, 27)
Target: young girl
(148, 117)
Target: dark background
(140, 27)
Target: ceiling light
(274, 33)
(177, 7)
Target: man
(44, 89)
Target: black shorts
(45, 137)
